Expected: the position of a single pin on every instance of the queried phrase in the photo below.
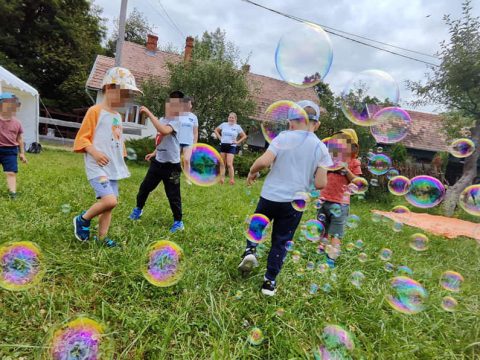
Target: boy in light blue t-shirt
(293, 169)
(188, 134)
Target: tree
(136, 30)
(52, 45)
(212, 78)
(456, 84)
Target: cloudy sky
(412, 24)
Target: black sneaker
(268, 288)
(249, 261)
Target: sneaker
(177, 226)
(268, 288)
(249, 261)
(136, 214)
(12, 195)
(81, 227)
(107, 242)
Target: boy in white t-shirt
(188, 134)
(293, 170)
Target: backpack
(35, 148)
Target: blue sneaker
(330, 263)
(81, 227)
(136, 214)
(177, 226)
(107, 242)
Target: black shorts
(228, 149)
(8, 158)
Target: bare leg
(104, 221)
(222, 169)
(105, 204)
(231, 170)
(11, 181)
(187, 155)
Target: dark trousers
(285, 221)
(170, 175)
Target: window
(133, 116)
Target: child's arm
(195, 134)
(320, 178)
(162, 129)
(21, 146)
(151, 155)
(261, 163)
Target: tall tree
(52, 45)
(456, 84)
(136, 30)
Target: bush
(244, 161)
(399, 154)
(141, 147)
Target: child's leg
(171, 181)
(11, 181)
(104, 220)
(263, 207)
(231, 170)
(222, 169)
(149, 183)
(105, 204)
(187, 155)
(286, 221)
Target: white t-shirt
(229, 132)
(168, 151)
(293, 170)
(188, 122)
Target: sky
(413, 24)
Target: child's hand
(100, 158)
(252, 177)
(146, 111)
(148, 157)
(23, 158)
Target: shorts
(104, 187)
(183, 146)
(8, 158)
(335, 225)
(228, 149)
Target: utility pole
(121, 33)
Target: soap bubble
(376, 218)
(65, 208)
(238, 295)
(327, 287)
(164, 263)
(391, 125)
(400, 209)
(361, 185)
(470, 200)
(310, 265)
(339, 147)
(359, 244)
(389, 267)
(255, 337)
(337, 338)
(336, 210)
(131, 154)
(451, 281)
(404, 271)
(301, 201)
(462, 148)
(323, 267)
(392, 173)
(357, 279)
(374, 182)
(397, 226)
(296, 256)
(386, 254)
(314, 230)
(280, 312)
(304, 56)
(257, 228)
(419, 242)
(425, 192)
(362, 257)
(313, 289)
(350, 246)
(205, 165)
(352, 221)
(289, 245)
(363, 92)
(408, 296)
(399, 185)
(449, 304)
(379, 164)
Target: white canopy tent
(29, 97)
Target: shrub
(141, 147)
(399, 153)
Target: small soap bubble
(386, 254)
(449, 304)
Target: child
(336, 206)
(188, 134)
(11, 140)
(293, 171)
(165, 161)
(100, 139)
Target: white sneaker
(248, 263)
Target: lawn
(201, 317)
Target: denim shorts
(228, 149)
(104, 187)
(8, 158)
(335, 217)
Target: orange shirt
(336, 188)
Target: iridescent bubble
(379, 150)
(205, 165)
(280, 312)
(363, 92)
(81, 338)
(336, 337)
(400, 209)
(451, 281)
(322, 353)
(374, 182)
(65, 208)
(408, 296)
(404, 271)
(296, 256)
(340, 149)
(386, 254)
(310, 265)
(300, 272)
(470, 200)
(399, 185)
(362, 257)
(449, 304)
(357, 279)
(301, 201)
(397, 226)
(391, 125)
(376, 218)
(379, 164)
(277, 120)
(425, 192)
(289, 245)
(352, 221)
(359, 244)
(131, 154)
(336, 210)
(257, 228)
(389, 267)
(333, 252)
(314, 230)
(313, 289)
(21, 265)
(304, 56)
(361, 185)
(419, 242)
(392, 173)
(164, 263)
(314, 193)
(350, 247)
(238, 295)
(462, 148)
(327, 288)
(321, 217)
(255, 337)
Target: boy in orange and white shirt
(100, 138)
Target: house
(147, 61)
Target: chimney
(152, 41)
(246, 68)
(188, 48)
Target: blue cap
(308, 103)
(7, 96)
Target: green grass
(199, 318)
